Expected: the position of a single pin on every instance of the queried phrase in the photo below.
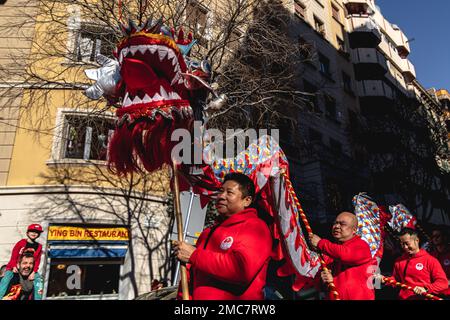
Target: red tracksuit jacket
(353, 267)
(18, 250)
(231, 260)
(419, 270)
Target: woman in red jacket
(230, 259)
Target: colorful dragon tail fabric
(266, 164)
(401, 218)
(371, 222)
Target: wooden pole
(331, 285)
(394, 283)
(179, 222)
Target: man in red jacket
(350, 260)
(230, 259)
(417, 268)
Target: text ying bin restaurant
(85, 261)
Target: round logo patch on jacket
(419, 266)
(226, 243)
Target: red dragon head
(155, 84)
(152, 65)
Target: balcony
(363, 32)
(408, 70)
(376, 97)
(370, 64)
(400, 40)
(374, 88)
(358, 7)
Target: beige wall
(16, 31)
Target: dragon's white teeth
(174, 96)
(127, 102)
(126, 96)
(172, 57)
(125, 51)
(177, 68)
(137, 100)
(142, 49)
(163, 93)
(133, 50)
(152, 49)
(146, 99)
(175, 79)
(162, 53)
(157, 97)
(181, 81)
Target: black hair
(28, 253)
(245, 183)
(442, 229)
(409, 231)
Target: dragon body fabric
(156, 85)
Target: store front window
(83, 277)
(84, 261)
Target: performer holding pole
(417, 269)
(179, 222)
(231, 258)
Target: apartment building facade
(363, 58)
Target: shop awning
(100, 252)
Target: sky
(428, 22)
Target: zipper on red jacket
(406, 266)
(213, 228)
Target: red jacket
(419, 270)
(230, 262)
(444, 259)
(353, 267)
(18, 250)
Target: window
(197, 20)
(300, 9)
(347, 82)
(357, 8)
(315, 136)
(97, 276)
(312, 96)
(330, 108)
(341, 44)
(319, 26)
(335, 12)
(336, 146)
(324, 64)
(305, 49)
(91, 41)
(86, 138)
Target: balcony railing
(364, 32)
(408, 70)
(369, 63)
(374, 88)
